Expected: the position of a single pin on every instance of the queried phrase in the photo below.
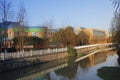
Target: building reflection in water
(110, 72)
(75, 71)
(98, 58)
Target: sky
(62, 13)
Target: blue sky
(62, 13)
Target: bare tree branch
(21, 19)
(5, 10)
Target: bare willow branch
(116, 5)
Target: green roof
(30, 29)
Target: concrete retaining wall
(22, 62)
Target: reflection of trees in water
(71, 60)
(72, 68)
(84, 63)
(69, 71)
(110, 73)
(54, 76)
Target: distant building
(4, 27)
(80, 29)
(109, 37)
(10, 30)
(38, 31)
(95, 35)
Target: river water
(100, 66)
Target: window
(34, 33)
(98, 33)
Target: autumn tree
(70, 36)
(82, 38)
(65, 37)
(32, 40)
(59, 37)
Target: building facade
(11, 30)
(95, 35)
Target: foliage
(70, 36)
(71, 60)
(35, 41)
(59, 37)
(65, 37)
(115, 29)
(68, 72)
(84, 63)
(71, 51)
(82, 38)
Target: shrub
(71, 51)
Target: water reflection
(110, 72)
(64, 69)
(77, 70)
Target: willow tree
(115, 29)
(115, 26)
(116, 5)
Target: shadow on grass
(109, 73)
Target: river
(100, 66)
